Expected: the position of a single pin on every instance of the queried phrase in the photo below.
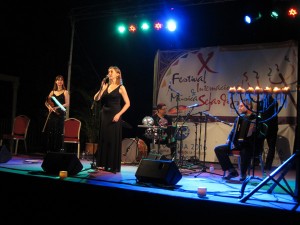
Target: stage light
(158, 26)
(250, 18)
(145, 26)
(171, 25)
(274, 14)
(292, 12)
(132, 28)
(121, 29)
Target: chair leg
(16, 147)
(78, 150)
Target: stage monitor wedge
(158, 172)
(57, 161)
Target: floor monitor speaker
(158, 171)
(5, 155)
(57, 161)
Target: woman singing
(115, 102)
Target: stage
(31, 194)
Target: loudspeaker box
(158, 171)
(58, 161)
(5, 155)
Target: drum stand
(196, 139)
(204, 167)
(180, 161)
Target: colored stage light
(132, 28)
(121, 29)
(292, 12)
(145, 26)
(158, 26)
(274, 14)
(171, 25)
(250, 18)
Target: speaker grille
(158, 172)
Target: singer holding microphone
(115, 102)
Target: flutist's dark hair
(59, 77)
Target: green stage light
(274, 14)
(145, 26)
(121, 29)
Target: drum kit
(155, 133)
(133, 150)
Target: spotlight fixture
(274, 14)
(250, 18)
(292, 12)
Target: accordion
(244, 129)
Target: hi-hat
(181, 109)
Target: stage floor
(193, 177)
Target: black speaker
(58, 161)
(158, 172)
(5, 155)
(156, 156)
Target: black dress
(110, 141)
(55, 126)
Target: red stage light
(292, 12)
(158, 26)
(132, 28)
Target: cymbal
(154, 127)
(179, 125)
(181, 109)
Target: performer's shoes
(112, 170)
(231, 174)
(243, 177)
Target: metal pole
(70, 63)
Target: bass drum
(133, 150)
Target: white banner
(197, 81)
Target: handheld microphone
(106, 77)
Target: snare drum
(133, 151)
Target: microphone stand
(176, 121)
(203, 170)
(180, 163)
(93, 165)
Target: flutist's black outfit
(55, 126)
